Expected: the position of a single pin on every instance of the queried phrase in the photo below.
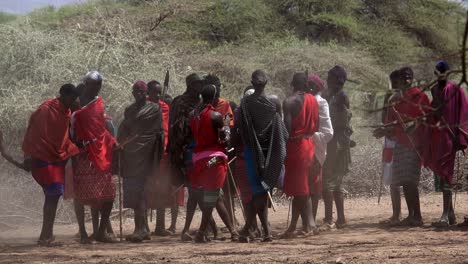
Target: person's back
(264, 135)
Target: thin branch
(161, 18)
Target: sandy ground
(363, 241)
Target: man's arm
(223, 131)
(287, 114)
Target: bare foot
(105, 239)
(288, 235)
(186, 237)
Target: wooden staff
(120, 197)
(122, 145)
(231, 205)
(289, 212)
(235, 186)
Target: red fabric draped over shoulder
(409, 106)
(47, 137)
(300, 148)
(89, 125)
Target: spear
(166, 85)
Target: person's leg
(48, 218)
(396, 202)
(105, 211)
(191, 207)
(79, 211)
(308, 221)
(250, 218)
(409, 198)
(315, 202)
(174, 215)
(207, 214)
(418, 221)
(298, 204)
(261, 206)
(95, 221)
(451, 215)
(110, 230)
(328, 204)
(225, 217)
(160, 229)
(339, 202)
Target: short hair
(152, 84)
(394, 75)
(213, 79)
(68, 90)
(299, 81)
(406, 73)
(208, 92)
(259, 78)
(339, 72)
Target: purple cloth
(445, 142)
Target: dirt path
(363, 241)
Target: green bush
(234, 20)
(6, 17)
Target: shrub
(234, 20)
(6, 17)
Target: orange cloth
(224, 108)
(165, 118)
(300, 148)
(89, 125)
(47, 136)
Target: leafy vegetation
(6, 17)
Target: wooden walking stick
(289, 212)
(235, 186)
(231, 205)
(122, 145)
(120, 197)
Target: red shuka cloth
(165, 118)
(410, 105)
(206, 140)
(300, 150)
(48, 173)
(47, 136)
(90, 126)
(441, 154)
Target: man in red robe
(405, 111)
(210, 162)
(47, 148)
(449, 134)
(223, 107)
(93, 181)
(301, 118)
(164, 194)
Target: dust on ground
(363, 241)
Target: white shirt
(325, 130)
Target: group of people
(420, 132)
(218, 150)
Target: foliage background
(230, 38)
